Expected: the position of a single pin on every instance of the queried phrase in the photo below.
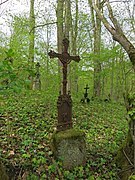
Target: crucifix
(64, 103)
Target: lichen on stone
(69, 147)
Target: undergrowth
(27, 120)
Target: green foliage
(52, 168)
(132, 177)
(13, 78)
(19, 39)
(28, 119)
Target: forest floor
(27, 121)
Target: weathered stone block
(69, 147)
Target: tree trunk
(31, 39)
(60, 35)
(47, 59)
(96, 23)
(117, 85)
(112, 79)
(59, 13)
(67, 29)
(103, 86)
(67, 23)
(74, 34)
(63, 29)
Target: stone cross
(64, 103)
(65, 59)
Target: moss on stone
(67, 134)
(58, 136)
(69, 147)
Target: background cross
(86, 88)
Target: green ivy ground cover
(27, 121)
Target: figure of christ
(64, 103)
(65, 58)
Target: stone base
(69, 147)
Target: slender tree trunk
(67, 29)
(67, 23)
(47, 49)
(74, 34)
(103, 85)
(59, 13)
(96, 23)
(31, 38)
(60, 35)
(117, 81)
(97, 63)
(112, 79)
(47, 59)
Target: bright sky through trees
(45, 12)
(11, 7)
(19, 7)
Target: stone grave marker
(68, 144)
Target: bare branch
(3, 2)
(110, 28)
(103, 2)
(120, 1)
(113, 19)
(128, 158)
(42, 25)
(117, 32)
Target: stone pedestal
(64, 106)
(69, 147)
